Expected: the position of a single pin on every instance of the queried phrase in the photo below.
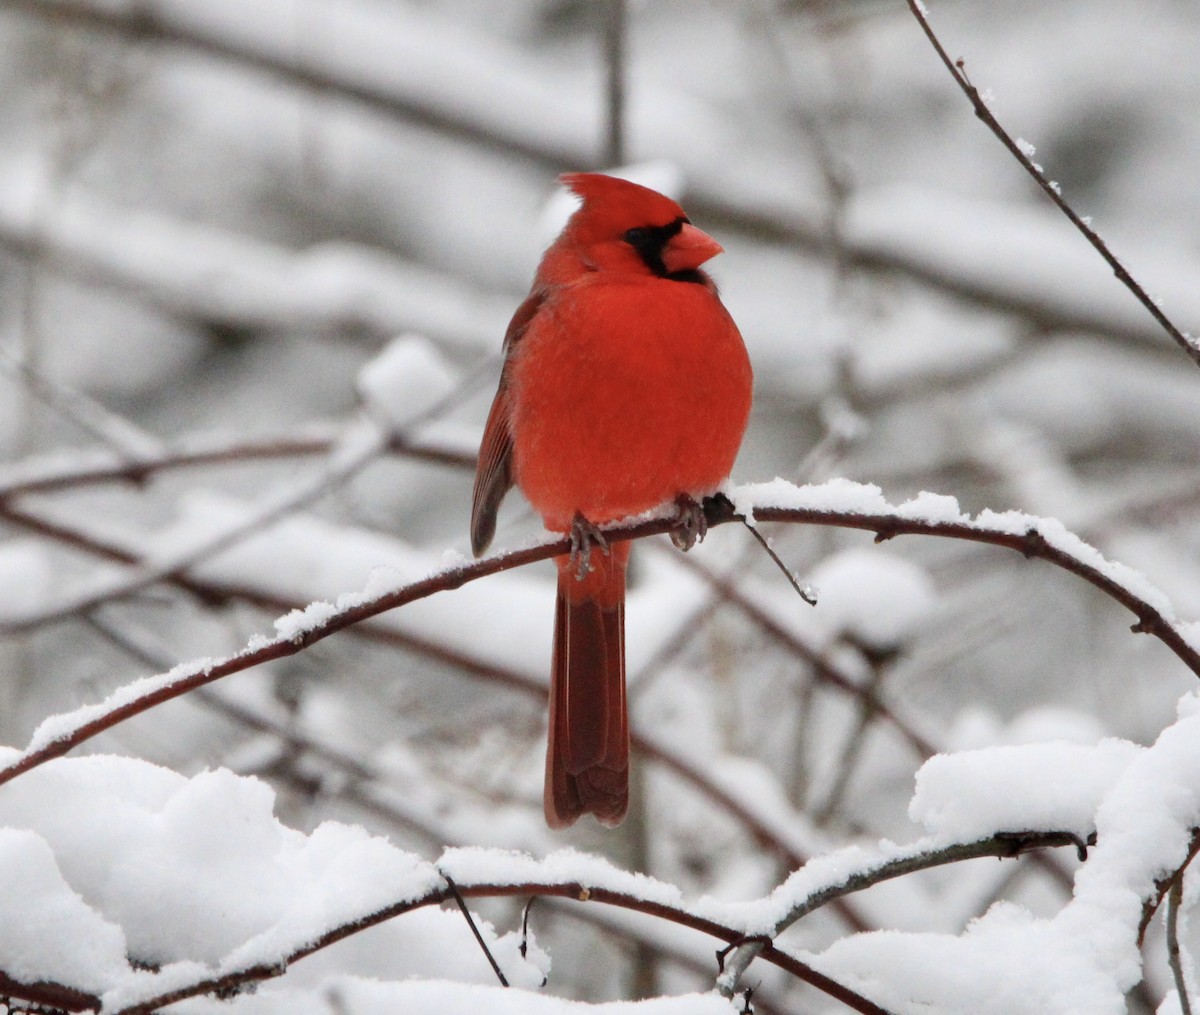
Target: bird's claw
(584, 536)
(692, 526)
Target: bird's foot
(692, 526)
(585, 536)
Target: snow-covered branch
(837, 503)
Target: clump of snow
(47, 932)
(1020, 788)
(838, 495)
(1007, 962)
(872, 597)
(931, 507)
(407, 379)
(114, 857)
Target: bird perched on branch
(625, 385)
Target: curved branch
(1003, 845)
(1033, 537)
(239, 979)
(919, 858)
(766, 834)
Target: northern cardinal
(625, 385)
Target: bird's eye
(637, 237)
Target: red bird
(625, 385)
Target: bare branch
(1174, 954)
(958, 72)
(51, 476)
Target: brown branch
(213, 593)
(232, 982)
(957, 71)
(886, 524)
(53, 996)
(824, 668)
(1002, 845)
(1174, 954)
(1164, 886)
(233, 451)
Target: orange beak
(689, 249)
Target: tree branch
(233, 981)
(1001, 845)
(958, 72)
(60, 734)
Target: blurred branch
(868, 706)
(361, 442)
(769, 831)
(222, 279)
(52, 475)
(958, 71)
(129, 442)
(615, 14)
(823, 668)
(218, 29)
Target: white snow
(972, 794)
(407, 379)
(872, 596)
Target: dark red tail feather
(587, 762)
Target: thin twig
(853, 742)
(958, 72)
(615, 14)
(1174, 953)
(1163, 887)
(474, 929)
(805, 592)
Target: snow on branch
(839, 503)
(775, 827)
(174, 828)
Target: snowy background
(256, 260)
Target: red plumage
(625, 385)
